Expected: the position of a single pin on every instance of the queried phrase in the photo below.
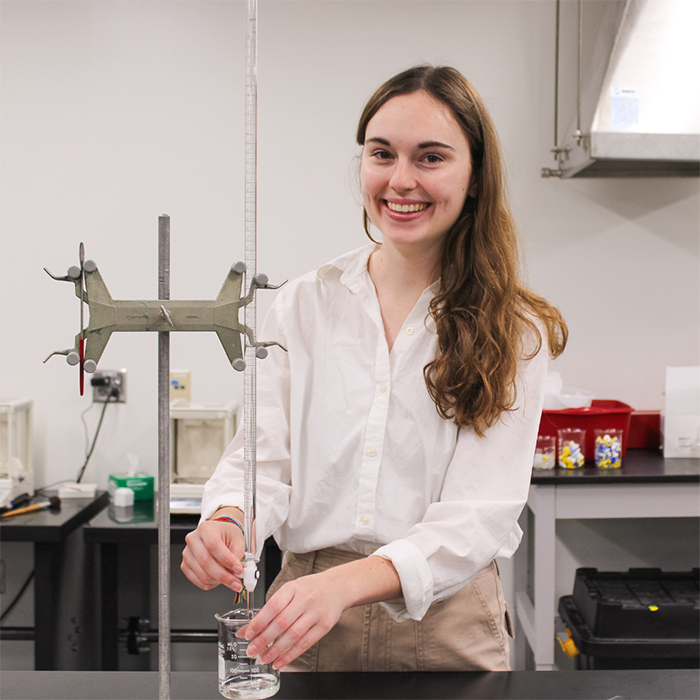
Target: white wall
(116, 112)
(113, 113)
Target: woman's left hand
(294, 619)
(304, 610)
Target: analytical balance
(199, 436)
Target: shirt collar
(354, 264)
(351, 265)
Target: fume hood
(627, 76)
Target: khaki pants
(467, 632)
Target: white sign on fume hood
(625, 108)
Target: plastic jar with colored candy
(608, 449)
(571, 448)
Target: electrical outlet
(109, 382)
(180, 385)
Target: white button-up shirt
(352, 453)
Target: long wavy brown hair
(483, 310)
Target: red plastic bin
(601, 414)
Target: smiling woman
(482, 308)
(415, 172)
(395, 437)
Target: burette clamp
(108, 315)
(259, 281)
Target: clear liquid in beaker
(240, 676)
(249, 686)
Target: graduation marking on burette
(250, 312)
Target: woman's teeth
(406, 208)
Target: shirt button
(372, 452)
(382, 388)
(410, 331)
(364, 520)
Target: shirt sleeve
(485, 489)
(273, 469)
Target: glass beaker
(240, 676)
(572, 448)
(545, 452)
(608, 449)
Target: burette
(249, 376)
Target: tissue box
(140, 483)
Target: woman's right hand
(213, 555)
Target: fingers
(208, 561)
(288, 625)
(268, 623)
(296, 640)
(198, 576)
(208, 576)
(294, 619)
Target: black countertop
(638, 467)
(136, 525)
(52, 525)
(520, 685)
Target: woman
(395, 438)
